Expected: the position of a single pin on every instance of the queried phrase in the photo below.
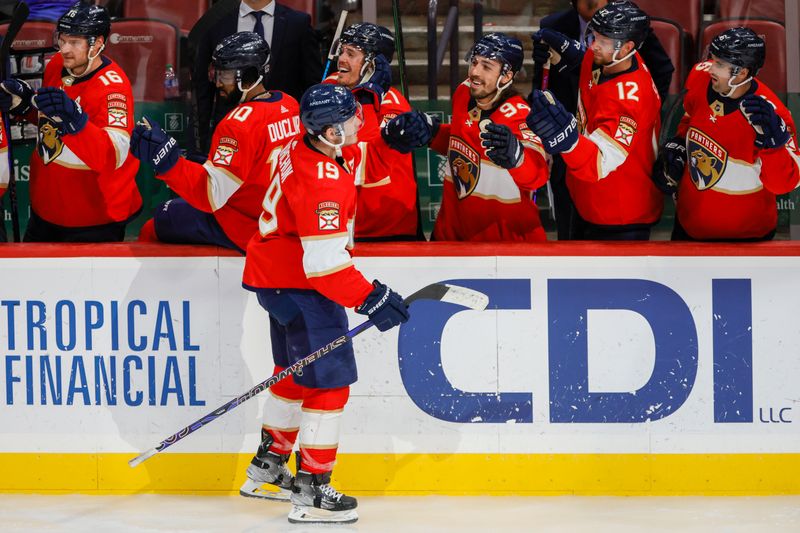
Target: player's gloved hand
(384, 307)
(375, 84)
(503, 148)
(548, 119)
(61, 109)
(669, 165)
(566, 53)
(771, 130)
(410, 130)
(155, 146)
(15, 97)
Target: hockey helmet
(370, 39)
(86, 20)
(741, 47)
(501, 47)
(327, 105)
(240, 52)
(622, 21)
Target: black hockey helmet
(740, 47)
(370, 39)
(327, 105)
(501, 47)
(623, 21)
(241, 52)
(86, 20)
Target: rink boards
(652, 368)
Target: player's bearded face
(721, 72)
(225, 80)
(603, 49)
(74, 50)
(349, 65)
(483, 75)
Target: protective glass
(223, 76)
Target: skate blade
(311, 515)
(264, 491)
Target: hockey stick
(437, 291)
(18, 18)
(399, 47)
(335, 43)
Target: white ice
(404, 514)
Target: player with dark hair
(495, 161)
(610, 149)
(387, 198)
(740, 143)
(220, 200)
(300, 268)
(82, 183)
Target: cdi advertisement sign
(583, 355)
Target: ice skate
(314, 500)
(268, 477)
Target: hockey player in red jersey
(220, 200)
(387, 198)
(740, 144)
(300, 268)
(82, 178)
(495, 161)
(5, 163)
(610, 149)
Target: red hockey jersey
(233, 181)
(87, 178)
(728, 188)
(306, 229)
(5, 164)
(608, 171)
(480, 200)
(387, 197)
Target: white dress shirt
(247, 22)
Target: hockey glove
(771, 130)
(556, 126)
(61, 109)
(374, 85)
(410, 130)
(384, 307)
(151, 144)
(502, 147)
(566, 53)
(669, 166)
(15, 97)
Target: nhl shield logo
(465, 166)
(49, 144)
(707, 159)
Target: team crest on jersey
(465, 166)
(626, 129)
(528, 135)
(117, 117)
(226, 148)
(49, 144)
(328, 216)
(707, 159)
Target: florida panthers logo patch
(465, 166)
(225, 151)
(49, 144)
(707, 159)
(328, 216)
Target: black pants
(40, 230)
(679, 234)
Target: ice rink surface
(596, 514)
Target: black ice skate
(268, 477)
(315, 501)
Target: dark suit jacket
(295, 59)
(565, 86)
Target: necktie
(259, 28)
